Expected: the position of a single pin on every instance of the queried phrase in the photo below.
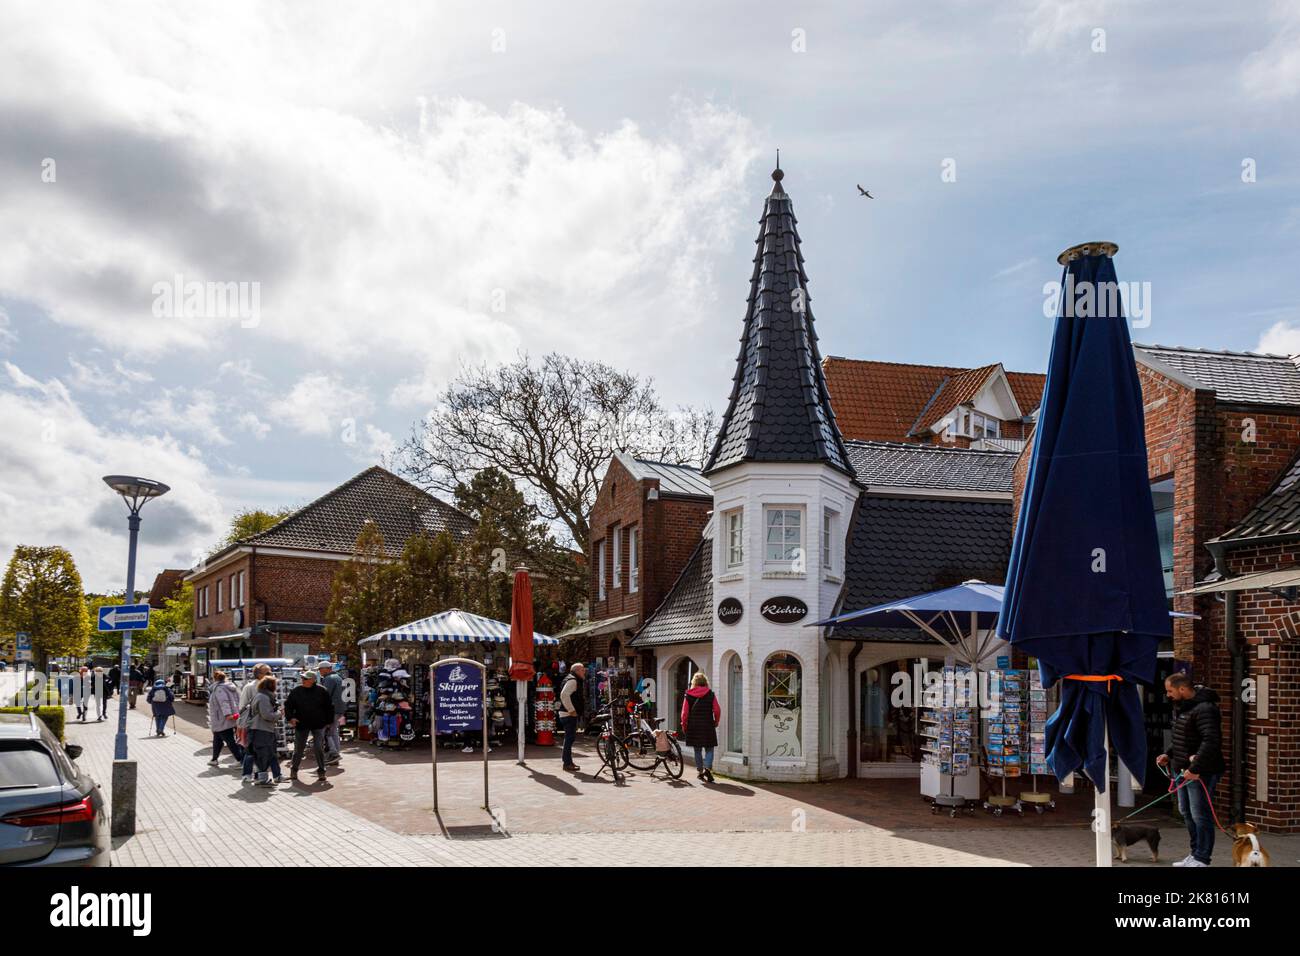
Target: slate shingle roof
(888, 401)
(333, 521)
(1277, 513)
(686, 614)
(1250, 378)
(779, 409)
(909, 545)
(907, 465)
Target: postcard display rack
(948, 731)
(286, 679)
(1016, 738)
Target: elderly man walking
(334, 684)
(309, 710)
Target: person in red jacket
(700, 716)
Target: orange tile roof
(885, 401)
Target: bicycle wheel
(641, 750)
(614, 752)
(673, 763)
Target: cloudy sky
(409, 186)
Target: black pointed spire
(779, 409)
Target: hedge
(52, 716)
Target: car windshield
(26, 766)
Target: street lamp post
(135, 492)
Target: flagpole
(1101, 809)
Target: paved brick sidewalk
(190, 814)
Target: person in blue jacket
(161, 700)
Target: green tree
(359, 599)
(253, 521)
(42, 595)
(424, 580)
(175, 616)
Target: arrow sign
(124, 617)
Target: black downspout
(853, 711)
(1237, 649)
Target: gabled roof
(900, 547)
(686, 613)
(1250, 378)
(1277, 513)
(165, 586)
(883, 464)
(890, 401)
(684, 480)
(779, 409)
(333, 521)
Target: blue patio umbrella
(1085, 593)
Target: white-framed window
(784, 533)
(237, 590)
(633, 560)
(984, 426)
(735, 539)
(828, 540)
(201, 605)
(600, 570)
(735, 705)
(618, 557)
(221, 590)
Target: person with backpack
(246, 695)
(1196, 752)
(700, 715)
(572, 706)
(223, 714)
(262, 723)
(161, 700)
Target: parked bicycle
(649, 746)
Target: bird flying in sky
(865, 193)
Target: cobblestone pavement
(190, 814)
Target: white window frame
(733, 542)
(237, 590)
(801, 545)
(829, 523)
(600, 570)
(221, 603)
(618, 557)
(633, 560)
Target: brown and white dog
(1125, 835)
(1246, 849)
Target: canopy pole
(1101, 810)
(521, 695)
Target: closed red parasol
(521, 647)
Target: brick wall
(223, 621)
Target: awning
(1286, 578)
(234, 637)
(624, 622)
(452, 627)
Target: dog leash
(1174, 787)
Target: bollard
(123, 797)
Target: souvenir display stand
(1003, 736)
(1035, 747)
(544, 723)
(287, 677)
(949, 731)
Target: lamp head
(136, 491)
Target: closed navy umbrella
(1085, 593)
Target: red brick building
(645, 523)
(267, 595)
(986, 408)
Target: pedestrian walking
(263, 719)
(136, 681)
(112, 685)
(1196, 751)
(161, 699)
(101, 691)
(700, 716)
(81, 692)
(309, 710)
(334, 684)
(223, 714)
(242, 736)
(573, 705)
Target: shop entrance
(682, 673)
(888, 736)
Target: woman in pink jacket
(700, 716)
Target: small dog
(1124, 835)
(1246, 850)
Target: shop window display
(782, 706)
(735, 705)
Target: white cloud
(320, 404)
(197, 412)
(89, 376)
(51, 490)
(1273, 72)
(1280, 338)
(7, 335)
(249, 422)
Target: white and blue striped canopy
(452, 627)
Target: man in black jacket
(309, 710)
(1195, 752)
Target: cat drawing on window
(781, 733)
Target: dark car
(51, 813)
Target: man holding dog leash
(1195, 752)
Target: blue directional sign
(124, 617)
